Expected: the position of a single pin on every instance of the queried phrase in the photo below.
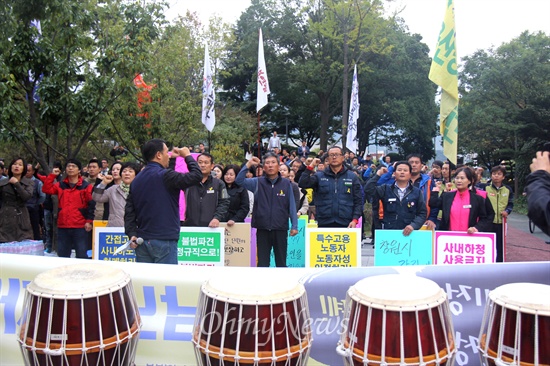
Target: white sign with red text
(459, 247)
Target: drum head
(531, 298)
(78, 281)
(397, 292)
(256, 290)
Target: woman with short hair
(116, 195)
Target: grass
(520, 205)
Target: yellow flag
(444, 73)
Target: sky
(480, 24)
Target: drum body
(83, 314)
(397, 320)
(516, 325)
(252, 321)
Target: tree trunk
(324, 101)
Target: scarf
(125, 188)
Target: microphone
(124, 246)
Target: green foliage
(80, 66)
(233, 127)
(505, 104)
(397, 99)
(309, 49)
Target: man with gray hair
(274, 204)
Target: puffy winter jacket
(76, 206)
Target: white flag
(208, 96)
(351, 142)
(263, 83)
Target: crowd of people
(335, 188)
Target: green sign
(201, 246)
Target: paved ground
(522, 246)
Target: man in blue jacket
(152, 206)
(419, 180)
(404, 206)
(337, 191)
(274, 204)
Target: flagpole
(209, 144)
(444, 73)
(259, 139)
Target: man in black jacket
(538, 191)
(207, 203)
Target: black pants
(497, 229)
(268, 239)
(34, 215)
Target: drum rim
(406, 307)
(119, 282)
(500, 296)
(254, 299)
(488, 352)
(444, 354)
(428, 302)
(249, 357)
(92, 346)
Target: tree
(505, 104)
(60, 83)
(305, 44)
(397, 98)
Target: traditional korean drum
(397, 320)
(252, 321)
(83, 314)
(516, 325)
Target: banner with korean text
(167, 297)
(201, 246)
(197, 246)
(333, 247)
(392, 248)
(458, 247)
(237, 245)
(107, 240)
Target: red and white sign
(459, 247)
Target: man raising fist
(76, 209)
(274, 204)
(152, 207)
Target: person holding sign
(418, 179)
(403, 203)
(152, 205)
(463, 209)
(274, 204)
(337, 191)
